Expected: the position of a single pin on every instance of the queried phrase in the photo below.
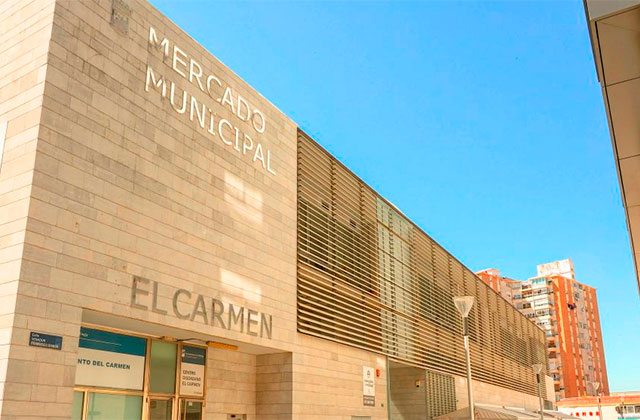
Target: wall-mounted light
(222, 346)
(209, 343)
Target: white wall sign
(110, 360)
(368, 386)
(192, 371)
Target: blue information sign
(48, 341)
(194, 355)
(112, 342)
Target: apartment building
(567, 311)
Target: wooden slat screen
(369, 278)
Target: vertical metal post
(600, 407)
(388, 380)
(85, 404)
(472, 414)
(464, 305)
(538, 379)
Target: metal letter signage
(212, 103)
(195, 307)
(368, 386)
(37, 339)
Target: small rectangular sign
(48, 341)
(194, 355)
(368, 386)
(192, 371)
(368, 381)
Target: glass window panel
(163, 367)
(160, 410)
(190, 410)
(76, 408)
(111, 406)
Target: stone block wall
(274, 389)
(27, 378)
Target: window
(163, 367)
(190, 410)
(76, 408)
(160, 409)
(112, 406)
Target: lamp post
(463, 305)
(537, 369)
(596, 387)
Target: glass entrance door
(160, 409)
(190, 410)
(127, 377)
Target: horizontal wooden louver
(369, 278)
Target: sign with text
(110, 360)
(192, 371)
(368, 386)
(220, 112)
(196, 307)
(48, 341)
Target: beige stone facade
(108, 178)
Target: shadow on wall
(417, 394)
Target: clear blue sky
(483, 122)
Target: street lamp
(596, 387)
(463, 305)
(537, 369)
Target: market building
(173, 247)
